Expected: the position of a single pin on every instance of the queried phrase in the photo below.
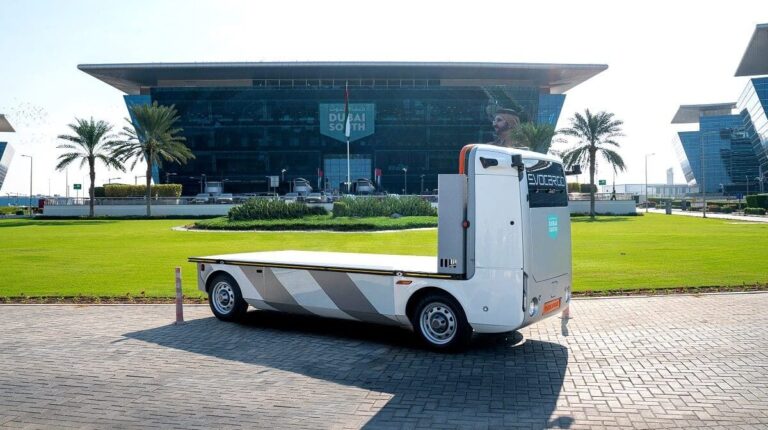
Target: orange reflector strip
(551, 305)
(404, 282)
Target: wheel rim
(438, 323)
(223, 297)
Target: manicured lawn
(107, 258)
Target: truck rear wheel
(225, 298)
(440, 322)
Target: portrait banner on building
(361, 119)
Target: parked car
(301, 186)
(317, 198)
(224, 198)
(201, 198)
(291, 197)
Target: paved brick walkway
(658, 362)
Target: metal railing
(600, 196)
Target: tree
(596, 135)
(536, 137)
(152, 137)
(90, 142)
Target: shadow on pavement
(500, 381)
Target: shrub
(585, 188)
(99, 192)
(9, 210)
(386, 206)
(262, 209)
(573, 187)
(758, 201)
(160, 190)
(754, 211)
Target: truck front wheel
(225, 298)
(440, 322)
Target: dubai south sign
(361, 120)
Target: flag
(347, 124)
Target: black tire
(225, 299)
(441, 323)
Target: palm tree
(91, 141)
(536, 137)
(153, 137)
(596, 134)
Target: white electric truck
(503, 261)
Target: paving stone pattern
(660, 362)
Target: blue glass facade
(719, 156)
(753, 105)
(241, 135)
(550, 106)
(6, 154)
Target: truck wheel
(440, 322)
(225, 298)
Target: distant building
(6, 151)
(246, 122)
(729, 152)
(670, 176)
(657, 190)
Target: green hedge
(161, 190)
(9, 210)
(758, 201)
(585, 188)
(263, 209)
(573, 187)
(320, 222)
(754, 211)
(384, 206)
(99, 192)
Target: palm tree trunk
(149, 189)
(592, 153)
(91, 188)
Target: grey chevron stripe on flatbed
(348, 297)
(272, 291)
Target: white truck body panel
(516, 254)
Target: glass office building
(6, 154)
(753, 105)
(729, 152)
(719, 156)
(246, 122)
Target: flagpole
(349, 182)
(347, 131)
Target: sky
(660, 55)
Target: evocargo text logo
(546, 180)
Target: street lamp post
(405, 181)
(30, 182)
(168, 177)
(136, 179)
(109, 181)
(703, 181)
(746, 178)
(646, 180)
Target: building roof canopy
(130, 78)
(755, 59)
(5, 126)
(688, 114)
